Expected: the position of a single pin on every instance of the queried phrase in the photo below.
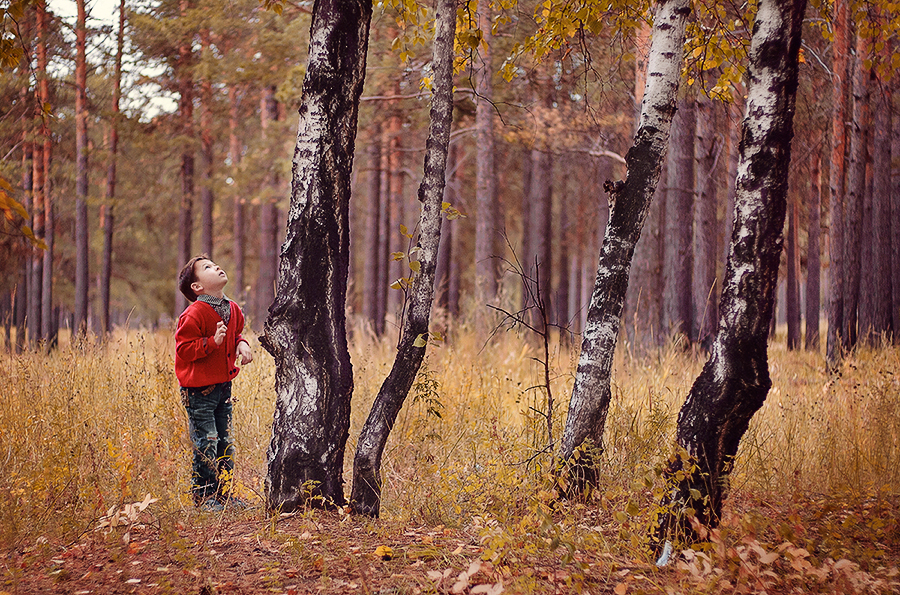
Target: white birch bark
(305, 330)
(630, 202)
(735, 380)
(366, 494)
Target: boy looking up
(208, 342)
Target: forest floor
(331, 552)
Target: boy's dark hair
(187, 276)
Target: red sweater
(198, 360)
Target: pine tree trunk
(539, 265)
(306, 330)
(268, 215)
(48, 326)
(707, 148)
(239, 225)
(35, 285)
(81, 174)
(373, 231)
(735, 380)
(895, 213)
(792, 286)
(630, 202)
(206, 158)
(186, 117)
(881, 210)
(836, 182)
(813, 259)
(108, 216)
(366, 495)
(485, 176)
(677, 306)
(22, 287)
(856, 190)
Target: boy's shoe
(211, 505)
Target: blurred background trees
(206, 121)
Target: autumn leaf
(384, 552)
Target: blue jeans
(209, 421)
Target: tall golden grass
(90, 426)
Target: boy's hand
(221, 329)
(243, 350)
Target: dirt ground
(318, 552)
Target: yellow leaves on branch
(16, 214)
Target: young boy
(207, 344)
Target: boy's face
(209, 278)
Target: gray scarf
(221, 305)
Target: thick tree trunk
(630, 202)
(108, 214)
(707, 148)
(677, 257)
(792, 281)
(306, 331)
(366, 495)
(840, 85)
(735, 380)
(485, 176)
(813, 259)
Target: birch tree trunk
(306, 330)
(629, 204)
(366, 494)
(839, 89)
(735, 380)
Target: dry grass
(90, 427)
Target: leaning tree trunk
(629, 203)
(305, 331)
(735, 379)
(366, 495)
